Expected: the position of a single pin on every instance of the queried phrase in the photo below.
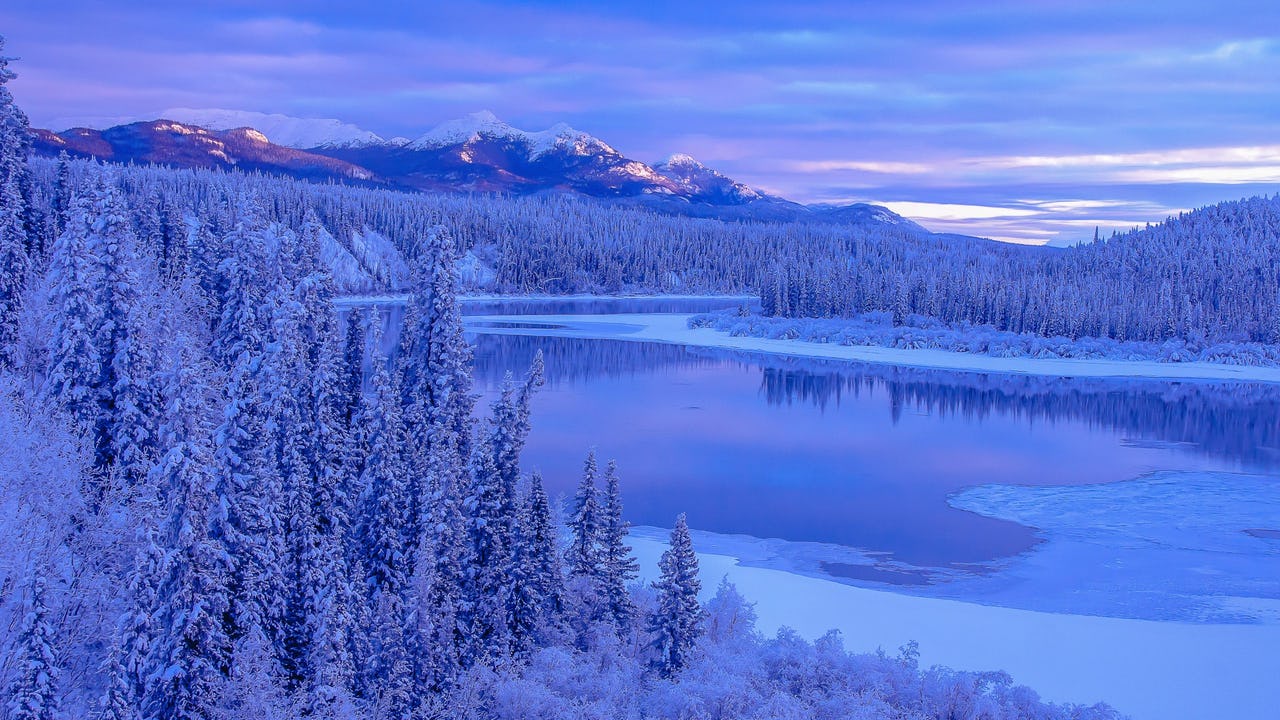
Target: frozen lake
(1065, 495)
(917, 479)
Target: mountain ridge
(475, 153)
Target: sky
(1029, 122)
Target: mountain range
(477, 153)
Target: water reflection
(1239, 422)
(1236, 422)
(604, 306)
(855, 455)
(858, 455)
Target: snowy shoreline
(385, 298)
(674, 329)
(1147, 669)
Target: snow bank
(674, 329)
(921, 332)
(1150, 670)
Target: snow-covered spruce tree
(351, 382)
(538, 579)
(433, 372)
(174, 255)
(322, 577)
(380, 537)
(185, 668)
(617, 566)
(487, 588)
(444, 555)
(385, 503)
(506, 442)
(510, 430)
(676, 621)
(392, 684)
(34, 695)
(240, 287)
(181, 417)
(60, 198)
(255, 687)
(72, 380)
(583, 556)
(585, 604)
(511, 426)
(349, 406)
(15, 144)
(123, 436)
(136, 630)
(247, 516)
(287, 428)
(441, 352)
(207, 250)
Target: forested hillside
(1205, 277)
(542, 244)
(1211, 275)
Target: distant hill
(477, 153)
(165, 142)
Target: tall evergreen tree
(351, 382)
(136, 631)
(15, 144)
(488, 573)
(191, 655)
(322, 505)
(74, 361)
(247, 484)
(34, 694)
(123, 436)
(537, 578)
(676, 621)
(445, 554)
(60, 202)
(617, 567)
(583, 556)
(434, 370)
(385, 500)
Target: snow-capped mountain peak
(681, 159)
(484, 124)
(700, 180)
(465, 130)
(563, 137)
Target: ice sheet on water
(1165, 546)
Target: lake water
(863, 457)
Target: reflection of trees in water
(1235, 421)
(603, 306)
(574, 360)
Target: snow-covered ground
(673, 328)
(386, 298)
(1149, 670)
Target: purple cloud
(925, 105)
